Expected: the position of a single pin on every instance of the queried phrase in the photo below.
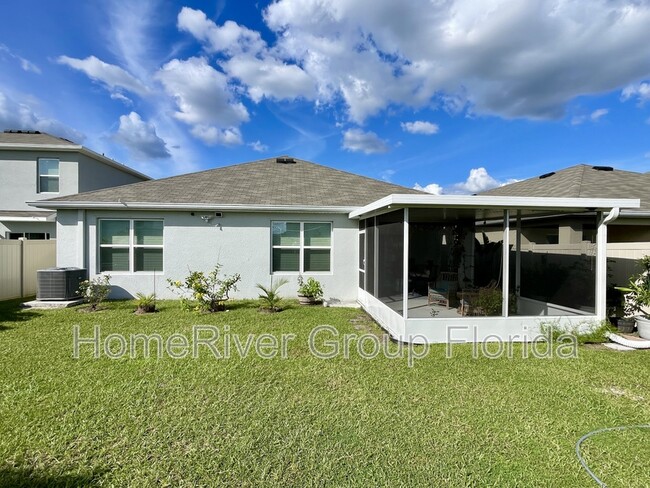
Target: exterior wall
(18, 177)
(241, 242)
(19, 261)
(94, 175)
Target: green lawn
(305, 421)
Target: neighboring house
(35, 166)
(628, 236)
(418, 263)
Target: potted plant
(637, 298)
(310, 291)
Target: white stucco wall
(10, 226)
(242, 243)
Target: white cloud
(258, 146)
(420, 127)
(140, 138)
(20, 115)
(229, 38)
(432, 188)
(212, 135)
(488, 57)
(270, 78)
(111, 76)
(479, 180)
(204, 99)
(357, 140)
(640, 91)
(593, 117)
(597, 114)
(25, 64)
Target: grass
(305, 421)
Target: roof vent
(546, 175)
(285, 160)
(602, 168)
(18, 131)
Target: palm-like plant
(270, 297)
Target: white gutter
(494, 202)
(188, 206)
(612, 216)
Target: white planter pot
(643, 325)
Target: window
(48, 175)
(301, 247)
(130, 245)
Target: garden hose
(600, 431)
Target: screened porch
(484, 266)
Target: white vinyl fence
(19, 261)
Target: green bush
(205, 292)
(310, 288)
(95, 291)
(270, 298)
(146, 303)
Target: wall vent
(285, 160)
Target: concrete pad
(51, 304)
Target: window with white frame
(130, 245)
(301, 247)
(48, 175)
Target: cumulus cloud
(258, 146)
(433, 188)
(479, 180)
(140, 138)
(228, 38)
(593, 117)
(356, 140)
(204, 99)
(270, 78)
(20, 115)
(640, 91)
(500, 57)
(109, 75)
(25, 64)
(420, 127)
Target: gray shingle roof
(33, 137)
(263, 182)
(583, 181)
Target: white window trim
(131, 246)
(301, 248)
(39, 176)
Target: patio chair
(443, 290)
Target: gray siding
(95, 175)
(242, 244)
(18, 177)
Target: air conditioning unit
(59, 283)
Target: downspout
(601, 263)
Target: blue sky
(454, 96)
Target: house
(421, 265)
(35, 166)
(628, 237)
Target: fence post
(22, 267)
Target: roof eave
(62, 205)
(495, 202)
(74, 148)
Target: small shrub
(205, 292)
(597, 334)
(270, 298)
(95, 291)
(637, 293)
(146, 303)
(310, 288)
